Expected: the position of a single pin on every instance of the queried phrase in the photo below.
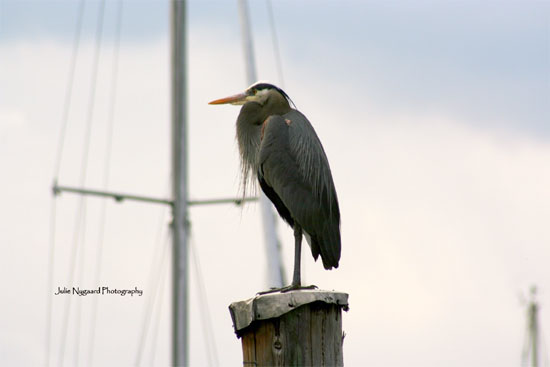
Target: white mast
(274, 264)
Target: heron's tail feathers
(328, 245)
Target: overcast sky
(435, 117)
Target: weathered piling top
(273, 305)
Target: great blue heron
(279, 146)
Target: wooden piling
(297, 328)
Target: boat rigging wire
(158, 312)
(57, 167)
(275, 42)
(79, 270)
(106, 171)
(158, 263)
(81, 207)
(209, 339)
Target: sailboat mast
(275, 271)
(533, 328)
(180, 342)
(529, 354)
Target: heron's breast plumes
(248, 138)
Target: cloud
(442, 222)
(443, 225)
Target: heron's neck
(249, 126)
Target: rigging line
(57, 165)
(78, 311)
(158, 312)
(275, 42)
(107, 166)
(65, 322)
(198, 277)
(69, 90)
(82, 202)
(51, 257)
(161, 226)
(153, 283)
(210, 341)
(80, 266)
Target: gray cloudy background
(435, 116)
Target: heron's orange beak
(236, 99)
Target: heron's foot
(297, 287)
(292, 287)
(270, 290)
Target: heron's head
(259, 92)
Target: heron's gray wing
(294, 173)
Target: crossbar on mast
(119, 197)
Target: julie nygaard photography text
(99, 291)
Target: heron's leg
(296, 279)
